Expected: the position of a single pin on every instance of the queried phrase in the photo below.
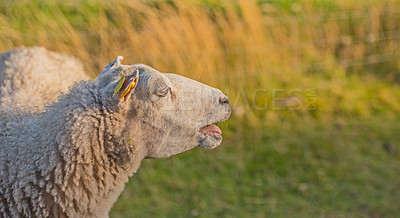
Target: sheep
(74, 158)
(31, 78)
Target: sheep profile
(31, 78)
(73, 159)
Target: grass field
(314, 87)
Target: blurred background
(314, 87)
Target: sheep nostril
(224, 100)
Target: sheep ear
(116, 63)
(126, 85)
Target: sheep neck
(90, 166)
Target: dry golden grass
(238, 46)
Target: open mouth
(212, 136)
(212, 130)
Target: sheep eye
(164, 92)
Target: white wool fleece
(31, 78)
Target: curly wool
(31, 78)
(69, 172)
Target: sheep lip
(212, 130)
(211, 136)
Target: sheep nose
(223, 100)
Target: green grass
(308, 170)
(279, 158)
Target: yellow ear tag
(127, 90)
(120, 83)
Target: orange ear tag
(131, 85)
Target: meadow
(314, 88)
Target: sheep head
(165, 114)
